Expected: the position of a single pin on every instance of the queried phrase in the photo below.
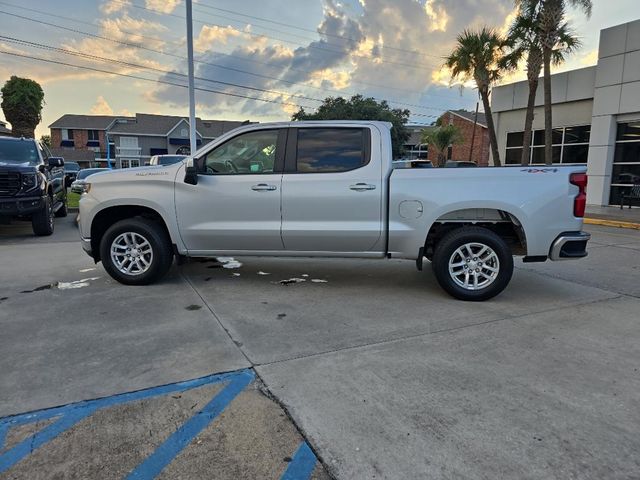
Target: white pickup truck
(328, 189)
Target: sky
(258, 60)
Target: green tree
(442, 137)
(22, 102)
(551, 19)
(477, 56)
(525, 42)
(46, 140)
(362, 108)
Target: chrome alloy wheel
(474, 266)
(131, 253)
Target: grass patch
(73, 199)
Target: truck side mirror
(55, 162)
(191, 172)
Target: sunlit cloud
(101, 107)
(164, 6)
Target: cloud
(101, 107)
(164, 6)
(210, 35)
(114, 6)
(438, 16)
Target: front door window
(249, 153)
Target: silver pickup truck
(328, 189)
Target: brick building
(464, 121)
(132, 140)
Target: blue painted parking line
(301, 465)
(182, 437)
(73, 413)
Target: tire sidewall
(43, 222)
(161, 260)
(453, 240)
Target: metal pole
(108, 151)
(473, 135)
(192, 99)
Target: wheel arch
(502, 222)
(112, 214)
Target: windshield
(90, 171)
(18, 151)
(71, 166)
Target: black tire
(42, 221)
(447, 250)
(63, 210)
(160, 245)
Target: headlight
(29, 180)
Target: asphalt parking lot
(366, 364)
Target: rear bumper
(569, 246)
(10, 207)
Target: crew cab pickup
(328, 189)
(32, 184)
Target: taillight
(580, 202)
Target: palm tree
(22, 101)
(442, 137)
(524, 41)
(551, 19)
(477, 57)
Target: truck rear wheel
(42, 220)
(472, 263)
(136, 251)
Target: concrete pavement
(385, 375)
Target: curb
(612, 223)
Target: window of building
(93, 135)
(67, 134)
(570, 146)
(322, 150)
(626, 162)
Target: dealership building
(596, 117)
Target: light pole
(192, 100)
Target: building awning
(182, 141)
(93, 143)
(66, 143)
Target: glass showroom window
(626, 162)
(570, 146)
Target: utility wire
(181, 44)
(76, 53)
(342, 37)
(156, 80)
(158, 12)
(135, 45)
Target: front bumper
(17, 206)
(86, 245)
(569, 246)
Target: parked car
(71, 170)
(459, 164)
(32, 185)
(328, 189)
(166, 159)
(80, 184)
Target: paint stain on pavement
(193, 307)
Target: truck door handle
(361, 187)
(263, 187)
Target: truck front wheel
(136, 251)
(472, 263)
(42, 220)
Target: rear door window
(325, 150)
